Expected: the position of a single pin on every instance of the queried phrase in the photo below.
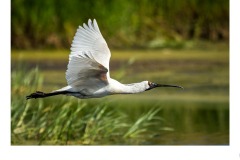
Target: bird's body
(88, 73)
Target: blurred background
(124, 24)
(184, 43)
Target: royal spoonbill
(88, 69)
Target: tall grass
(124, 23)
(66, 120)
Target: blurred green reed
(63, 120)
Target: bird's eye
(149, 83)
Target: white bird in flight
(88, 69)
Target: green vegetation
(71, 121)
(173, 42)
(124, 23)
(197, 115)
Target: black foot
(37, 94)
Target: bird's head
(151, 85)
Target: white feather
(88, 39)
(88, 69)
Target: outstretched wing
(88, 67)
(88, 40)
(85, 74)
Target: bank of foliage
(124, 23)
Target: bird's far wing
(89, 40)
(85, 73)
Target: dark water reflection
(192, 122)
(207, 124)
(202, 124)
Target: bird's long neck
(132, 88)
(119, 88)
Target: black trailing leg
(39, 94)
